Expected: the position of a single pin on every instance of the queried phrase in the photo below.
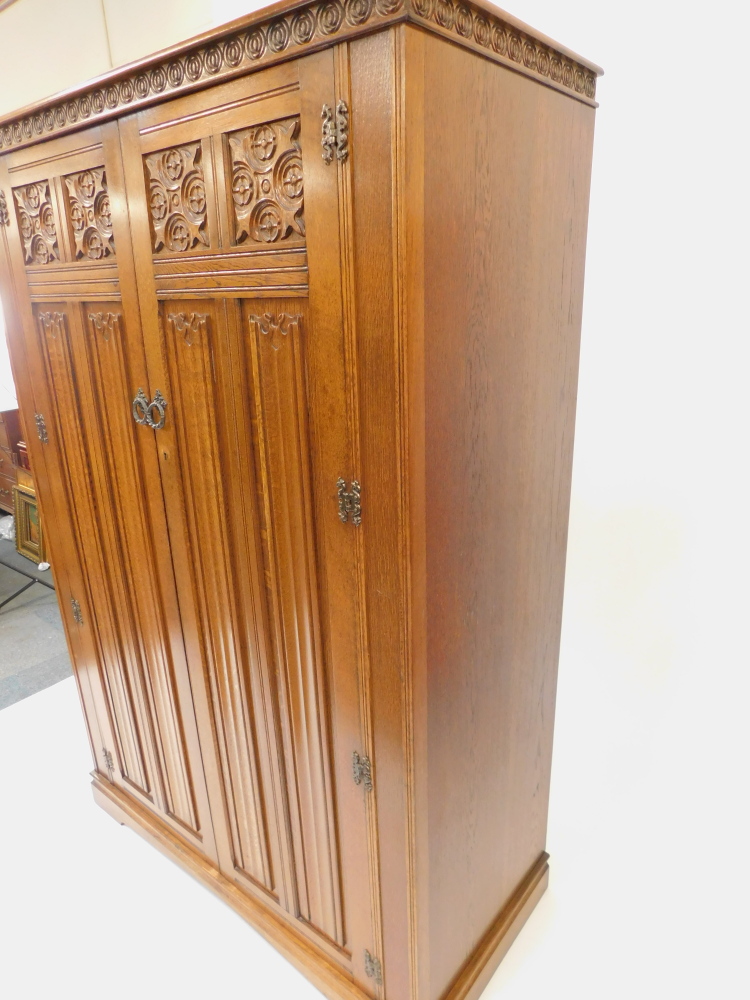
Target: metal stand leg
(18, 593)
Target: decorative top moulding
(284, 31)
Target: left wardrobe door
(71, 285)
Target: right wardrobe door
(235, 215)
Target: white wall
(50, 45)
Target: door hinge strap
(362, 771)
(4, 213)
(41, 428)
(373, 968)
(350, 503)
(335, 132)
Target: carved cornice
(481, 29)
(283, 32)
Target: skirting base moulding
(294, 312)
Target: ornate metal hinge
(335, 132)
(373, 968)
(77, 613)
(4, 213)
(109, 763)
(362, 771)
(143, 410)
(349, 503)
(41, 428)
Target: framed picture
(29, 540)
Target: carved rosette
(36, 223)
(90, 215)
(267, 182)
(177, 199)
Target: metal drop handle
(143, 411)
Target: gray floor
(33, 653)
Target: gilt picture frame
(29, 537)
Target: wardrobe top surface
(284, 31)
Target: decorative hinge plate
(41, 428)
(335, 132)
(350, 505)
(4, 213)
(362, 771)
(373, 968)
(77, 613)
(109, 763)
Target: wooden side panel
(505, 212)
(375, 76)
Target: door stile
(326, 78)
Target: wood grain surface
(503, 265)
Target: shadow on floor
(33, 653)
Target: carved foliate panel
(189, 326)
(105, 325)
(177, 198)
(36, 222)
(89, 213)
(267, 182)
(276, 327)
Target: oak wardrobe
(294, 312)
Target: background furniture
(10, 434)
(300, 351)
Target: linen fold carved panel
(90, 214)
(267, 183)
(36, 222)
(177, 198)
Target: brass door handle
(143, 410)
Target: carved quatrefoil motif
(177, 199)
(90, 215)
(36, 222)
(267, 183)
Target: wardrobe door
(100, 488)
(236, 233)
